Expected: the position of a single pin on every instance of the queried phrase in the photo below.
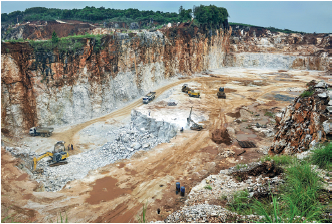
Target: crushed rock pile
(208, 213)
(143, 133)
(304, 123)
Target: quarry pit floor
(117, 192)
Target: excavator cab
(58, 156)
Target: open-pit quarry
(128, 154)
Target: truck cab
(32, 131)
(146, 100)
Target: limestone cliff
(259, 47)
(54, 88)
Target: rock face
(259, 47)
(302, 124)
(57, 87)
(54, 88)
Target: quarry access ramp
(69, 135)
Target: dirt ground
(117, 192)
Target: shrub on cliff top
(307, 93)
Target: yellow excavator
(58, 156)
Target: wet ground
(117, 192)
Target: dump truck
(42, 131)
(192, 93)
(195, 126)
(221, 94)
(58, 156)
(149, 97)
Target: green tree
(55, 38)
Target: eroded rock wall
(261, 48)
(53, 88)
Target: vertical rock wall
(53, 88)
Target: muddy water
(105, 189)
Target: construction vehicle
(185, 88)
(58, 156)
(42, 131)
(194, 126)
(221, 94)
(192, 93)
(149, 97)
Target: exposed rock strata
(302, 124)
(54, 88)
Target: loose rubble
(143, 133)
(303, 124)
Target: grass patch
(307, 93)
(240, 166)
(62, 219)
(241, 203)
(299, 197)
(269, 114)
(282, 159)
(208, 187)
(142, 219)
(322, 156)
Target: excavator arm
(35, 160)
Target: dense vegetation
(204, 14)
(300, 199)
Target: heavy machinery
(58, 156)
(184, 88)
(149, 97)
(192, 93)
(221, 94)
(42, 131)
(194, 126)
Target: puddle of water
(294, 93)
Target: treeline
(203, 14)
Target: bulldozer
(221, 94)
(58, 156)
(192, 93)
(194, 126)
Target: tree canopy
(204, 14)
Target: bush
(208, 187)
(307, 93)
(322, 156)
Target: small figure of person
(68, 147)
(181, 129)
(72, 148)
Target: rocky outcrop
(302, 124)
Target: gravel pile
(143, 133)
(215, 187)
(208, 213)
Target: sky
(305, 16)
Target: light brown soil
(117, 192)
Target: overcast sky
(306, 16)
